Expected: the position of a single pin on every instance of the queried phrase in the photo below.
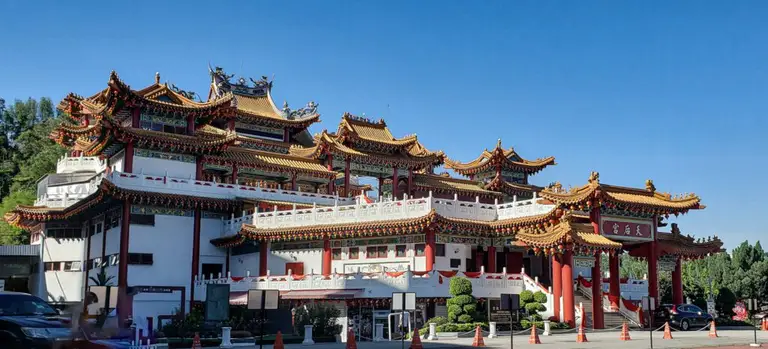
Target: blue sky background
(672, 91)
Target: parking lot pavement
(604, 340)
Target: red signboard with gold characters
(625, 229)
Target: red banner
(627, 230)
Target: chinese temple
(163, 191)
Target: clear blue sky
(673, 91)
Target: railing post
(492, 330)
(308, 335)
(432, 331)
(226, 341)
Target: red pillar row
(569, 313)
(653, 278)
(598, 322)
(677, 282)
(515, 263)
(479, 258)
(263, 254)
(394, 183)
(429, 250)
(491, 259)
(326, 257)
(615, 285)
(128, 162)
(346, 178)
(557, 283)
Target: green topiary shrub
(459, 286)
(540, 297)
(465, 318)
(533, 308)
(438, 320)
(462, 303)
(526, 296)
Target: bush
(322, 316)
(460, 286)
(465, 318)
(438, 320)
(540, 297)
(470, 308)
(184, 327)
(526, 296)
(533, 308)
(464, 300)
(453, 312)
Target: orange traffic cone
(624, 332)
(196, 342)
(416, 340)
(667, 331)
(765, 324)
(279, 341)
(712, 330)
(534, 335)
(478, 341)
(581, 337)
(351, 344)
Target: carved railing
(68, 164)
(522, 208)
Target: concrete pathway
(603, 340)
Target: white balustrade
(180, 186)
(68, 164)
(522, 208)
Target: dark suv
(682, 316)
(27, 321)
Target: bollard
(492, 330)
(378, 336)
(432, 331)
(546, 328)
(308, 335)
(226, 340)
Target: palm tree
(101, 279)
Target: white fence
(68, 164)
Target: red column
(195, 254)
(594, 218)
(234, 174)
(346, 178)
(515, 262)
(598, 322)
(286, 135)
(231, 124)
(190, 125)
(479, 258)
(569, 313)
(123, 305)
(429, 250)
(491, 259)
(381, 187)
(614, 281)
(293, 182)
(226, 263)
(394, 183)
(263, 257)
(128, 161)
(329, 166)
(326, 257)
(653, 279)
(557, 282)
(410, 182)
(677, 282)
(199, 168)
(135, 117)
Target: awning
(241, 298)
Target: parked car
(682, 316)
(28, 322)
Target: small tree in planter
(462, 306)
(321, 316)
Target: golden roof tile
(284, 163)
(630, 198)
(499, 157)
(261, 109)
(448, 184)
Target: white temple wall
(312, 259)
(77, 188)
(240, 264)
(211, 228)
(63, 250)
(64, 286)
(453, 251)
(116, 161)
(161, 167)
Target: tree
(101, 278)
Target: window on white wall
(420, 248)
(400, 251)
(440, 250)
(455, 263)
(354, 253)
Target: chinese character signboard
(627, 229)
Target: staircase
(611, 319)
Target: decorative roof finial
(157, 77)
(498, 143)
(649, 186)
(594, 177)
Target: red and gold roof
(499, 159)
(444, 183)
(272, 162)
(565, 234)
(630, 199)
(675, 243)
(499, 184)
(261, 110)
